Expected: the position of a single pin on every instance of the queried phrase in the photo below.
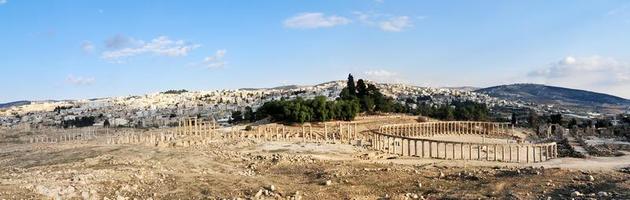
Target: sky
(66, 49)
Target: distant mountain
(284, 87)
(15, 103)
(543, 94)
(463, 88)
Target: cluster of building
(164, 108)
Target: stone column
(540, 154)
(381, 142)
(354, 131)
(534, 153)
(422, 148)
(374, 139)
(393, 141)
(430, 149)
(478, 152)
(196, 127)
(495, 152)
(527, 154)
(446, 149)
(453, 151)
(326, 131)
(415, 148)
(503, 153)
(403, 150)
(349, 134)
(387, 143)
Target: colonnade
(411, 140)
(344, 132)
(447, 127)
(195, 126)
(428, 148)
(149, 138)
(64, 137)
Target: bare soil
(233, 169)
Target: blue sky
(67, 49)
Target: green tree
(533, 119)
(513, 118)
(237, 116)
(362, 90)
(320, 109)
(249, 114)
(352, 91)
(555, 119)
(367, 104)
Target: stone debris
(272, 188)
(576, 194)
(239, 168)
(441, 175)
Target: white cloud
(216, 60)
(572, 66)
(381, 75)
(3, 2)
(87, 46)
(121, 41)
(79, 80)
(396, 24)
(386, 22)
(593, 73)
(314, 20)
(123, 47)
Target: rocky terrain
(254, 169)
(249, 170)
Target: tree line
(355, 98)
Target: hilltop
(567, 97)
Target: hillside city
(164, 108)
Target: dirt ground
(246, 169)
(250, 169)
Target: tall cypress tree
(352, 89)
(361, 88)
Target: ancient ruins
(423, 139)
(418, 140)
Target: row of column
(64, 137)
(464, 151)
(344, 132)
(453, 127)
(141, 138)
(195, 126)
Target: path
(576, 145)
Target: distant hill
(463, 88)
(543, 94)
(15, 103)
(285, 87)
